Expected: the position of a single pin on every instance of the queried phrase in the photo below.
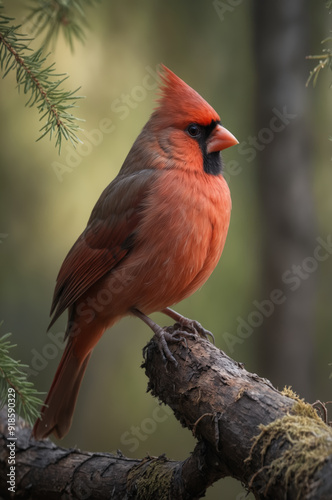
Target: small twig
(319, 406)
(198, 421)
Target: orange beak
(220, 139)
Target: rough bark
(275, 444)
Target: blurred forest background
(269, 301)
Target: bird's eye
(194, 130)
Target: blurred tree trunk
(284, 162)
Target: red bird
(153, 238)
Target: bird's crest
(179, 103)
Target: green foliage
(51, 16)
(325, 59)
(12, 376)
(40, 82)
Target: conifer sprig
(51, 16)
(12, 376)
(325, 61)
(42, 85)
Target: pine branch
(66, 15)
(13, 382)
(325, 59)
(40, 82)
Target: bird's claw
(191, 324)
(197, 329)
(164, 336)
(180, 334)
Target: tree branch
(271, 441)
(40, 82)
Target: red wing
(108, 238)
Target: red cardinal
(153, 238)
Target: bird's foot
(191, 324)
(163, 336)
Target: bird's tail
(57, 412)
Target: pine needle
(325, 59)
(40, 82)
(13, 377)
(52, 16)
